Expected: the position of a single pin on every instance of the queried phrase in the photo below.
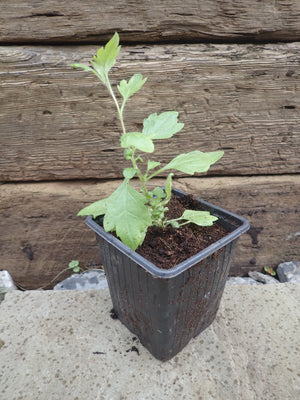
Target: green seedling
(74, 265)
(127, 211)
(270, 271)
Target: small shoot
(270, 271)
(74, 266)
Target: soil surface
(168, 247)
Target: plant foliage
(126, 211)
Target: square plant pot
(166, 308)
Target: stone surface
(6, 284)
(264, 278)
(289, 272)
(84, 281)
(6, 281)
(64, 345)
(238, 280)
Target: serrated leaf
(195, 161)
(162, 126)
(106, 57)
(95, 209)
(104, 60)
(134, 84)
(152, 164)
(202, 218)
(138, 140)
(129, 173)
(128, 215)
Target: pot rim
(184, 265)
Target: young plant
(74, 266)
(270, 271)
(127, 211)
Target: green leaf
(128, 153)
(202, 218)
(104, 60)
(87, 68)
(195, 161)
(175, 224)
(152, 164)
(74, 265)
(129, 173)
(128, 215)
(138, 140)
(95, 209)
(134, 84)
(82, 66)
(159, 192)
(106, 57)
(270, 271)
(168, 187)
(162, 126)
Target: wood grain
(57, 123)
(40, 233)
(157, 21)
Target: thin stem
(120, 111)
(185, 223)
(155, 173)
(122, 107)
(140, 176)
(169, 221)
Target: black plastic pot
(167, 308)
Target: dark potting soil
(168, 247)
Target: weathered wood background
(240, 98)
(147, 21)
(231, 69)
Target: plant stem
(133, 160)
(141, 177)
(155, 173)
(169, 221)
(120, 111)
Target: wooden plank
(144, 21)
(57, 123)
(40, 232)
(271, 205)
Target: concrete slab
(63, 345)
